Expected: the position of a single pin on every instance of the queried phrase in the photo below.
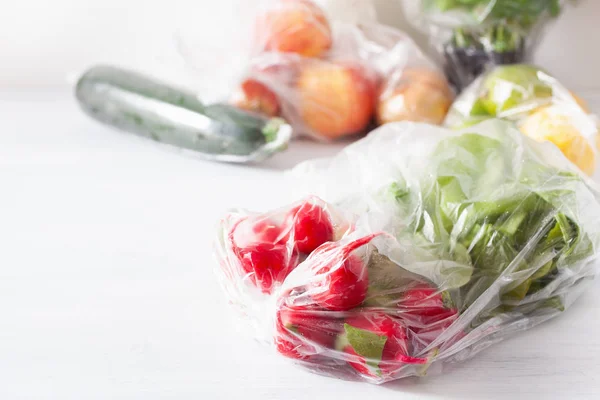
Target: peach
(335, 100)
(419, 95)
(294, 26)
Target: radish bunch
(347, 308)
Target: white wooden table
(107, 290)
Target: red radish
(425, 301)
(378, 334)
(343, 276)
(428, 311)
(300, 328)
(433, 329)
(266, 263)
(360, 364)
(264, 258)
(289, 345)
(266, 230)
(312, 227)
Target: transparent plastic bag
(332, 79)
(475, 35)
(538, 103)
(433, 244)
(213, 64)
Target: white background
(106, 284)
(46, 42)
(107, 289)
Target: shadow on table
(491, 371)
(302, 150)
(432, 386)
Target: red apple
(335, 100)
(294, 26)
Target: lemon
(552, 124)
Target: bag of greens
(425, 246)
(474, 34)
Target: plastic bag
(434, 244)
(213, 65)
(331, 79)
(542, 108)
(475, 35)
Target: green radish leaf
(365, 343)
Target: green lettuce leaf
(478, 208)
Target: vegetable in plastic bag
(331, 79)
(476, 34)
(433, 245)
(541, 107)
(141, 105)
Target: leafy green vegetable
(524, 12)
(509, 220)
(496, 32)
(366, 344)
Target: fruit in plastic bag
(419, 95)
(369, 66)
(294, 26)
(256, 97)
(255, 93)
(510, 86)
(449, 242)
(559, 127)
(537, 103)
(335, 99)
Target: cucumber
(140, 105)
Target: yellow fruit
(580, 102)
(559, 128)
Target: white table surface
(107, 289)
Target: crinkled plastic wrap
(538, 103)
(475, 35)
(332, 79)
(425, 246)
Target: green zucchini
(138, 104)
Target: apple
(268, 76)
(294, 26)
(511, 86)
(255, 96)
(335, 99)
